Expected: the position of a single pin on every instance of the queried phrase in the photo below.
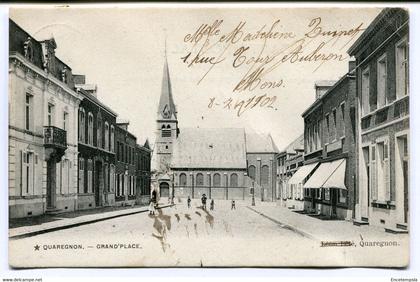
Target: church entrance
(164, 189)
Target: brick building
(381, 54)
(96, 164)
(143, 174)
(42, 127)
(288, 162)
(330, 131)
(126, 175)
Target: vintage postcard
(188, 136)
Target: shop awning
(302, 173)
(336, 179)
(328, 175)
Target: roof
(210, 148)
(295, 145)
(383, 18)
(260, 143)
(325, 83)
(95, 100)
(166, 102)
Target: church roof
(166, 102)
(260, 143)
(210, 148)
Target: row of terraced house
(67, 151)
(352, 160)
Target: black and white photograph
(208, 137)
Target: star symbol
(36, 247)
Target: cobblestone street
(178, 236)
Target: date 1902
(242, 105)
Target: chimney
(352, 65)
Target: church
(223, 163)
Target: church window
(183, 179)
(264, 174)
(233, 180)
(251, 172)
(216, 180)
(199, 180)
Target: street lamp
(253, 194)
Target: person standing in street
(189, 202)
(204, 201)
(233, 205)
(212, 205)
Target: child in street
(151, 207)
(233, 205)
(189, 202)
(212, 205)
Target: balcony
(55, 137)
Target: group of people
(204, 203)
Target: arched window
(183, 179)
(264, 174)
(199, 179)
(251, 172)
(166, 131)
(107, 136)
(82, 125)
(163, 127)
(216, 180)
(99, 133)
(233, 180)
(90, 128)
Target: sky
(122, 50)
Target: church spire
(166, 109)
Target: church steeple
(166, 109)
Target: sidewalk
(50, 223)
(322, 229)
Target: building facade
(143, 177)
(330, 142)
(125, 165)
(288, 162)
(42, 128)
(96, 137)
(381, 55)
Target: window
(107, 136)
(318, 135)
(27, 178)
(251, 172)
(327, 194)
(334, 114)
(264, 174)
(65, 120)
(327, 122)
(82, 124)
(233, 180)
(90, 176)
(90, 128)
(401, 72)
(342, 196)
(381, 81)
(99, 134)
(216, 180)
(383, 171)
(183, 179)
(111, 178)
(50, 113)
(343, 119)
(28, 112)
(199, 180)
(365, 92)
(112, 139)
(81, 175)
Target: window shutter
(374, 174)
(387, 181)
(21, 172)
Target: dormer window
(64, 75)
(28, 51)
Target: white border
(288, 274)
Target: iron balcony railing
(55, 137)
